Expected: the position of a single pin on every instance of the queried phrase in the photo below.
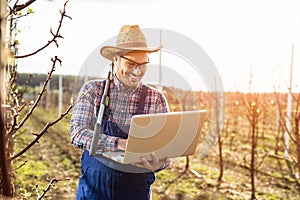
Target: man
(102, 178)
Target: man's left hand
(153, 165)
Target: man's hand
(153, 165)
(122, 144)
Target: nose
(137, 70)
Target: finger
(155, 158)
(167, 160)
(146, 163)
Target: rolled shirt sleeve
(84, 118)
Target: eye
(130, 64)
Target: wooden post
(289, 110)
(60, 94)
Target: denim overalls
(105, 179)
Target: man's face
(131, 68)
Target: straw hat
(130, 38)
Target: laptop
(171, 134)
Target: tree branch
(39, 135)
(55, 35)
(17, 8)
(51, 184)
(54, 60)
(20, 166)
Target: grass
(54, 157)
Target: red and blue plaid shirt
(123, 104)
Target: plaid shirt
(123, 104)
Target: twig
(16, 8)
(262, 160)
(39, 135)
(54, 60)
(20, 16)
(24, 163)
(280, 158)
(51, 184)
(55, 35)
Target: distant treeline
(174, 96)
(33, 80)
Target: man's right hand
(122, 144)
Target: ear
(115, 60)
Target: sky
(246, 40)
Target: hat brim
(109, 52)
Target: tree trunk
(6, 189)
(252, 167)
(297, 136)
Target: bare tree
(11, 107)
(253, 110)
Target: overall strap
(142, 101)
(107, 110)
